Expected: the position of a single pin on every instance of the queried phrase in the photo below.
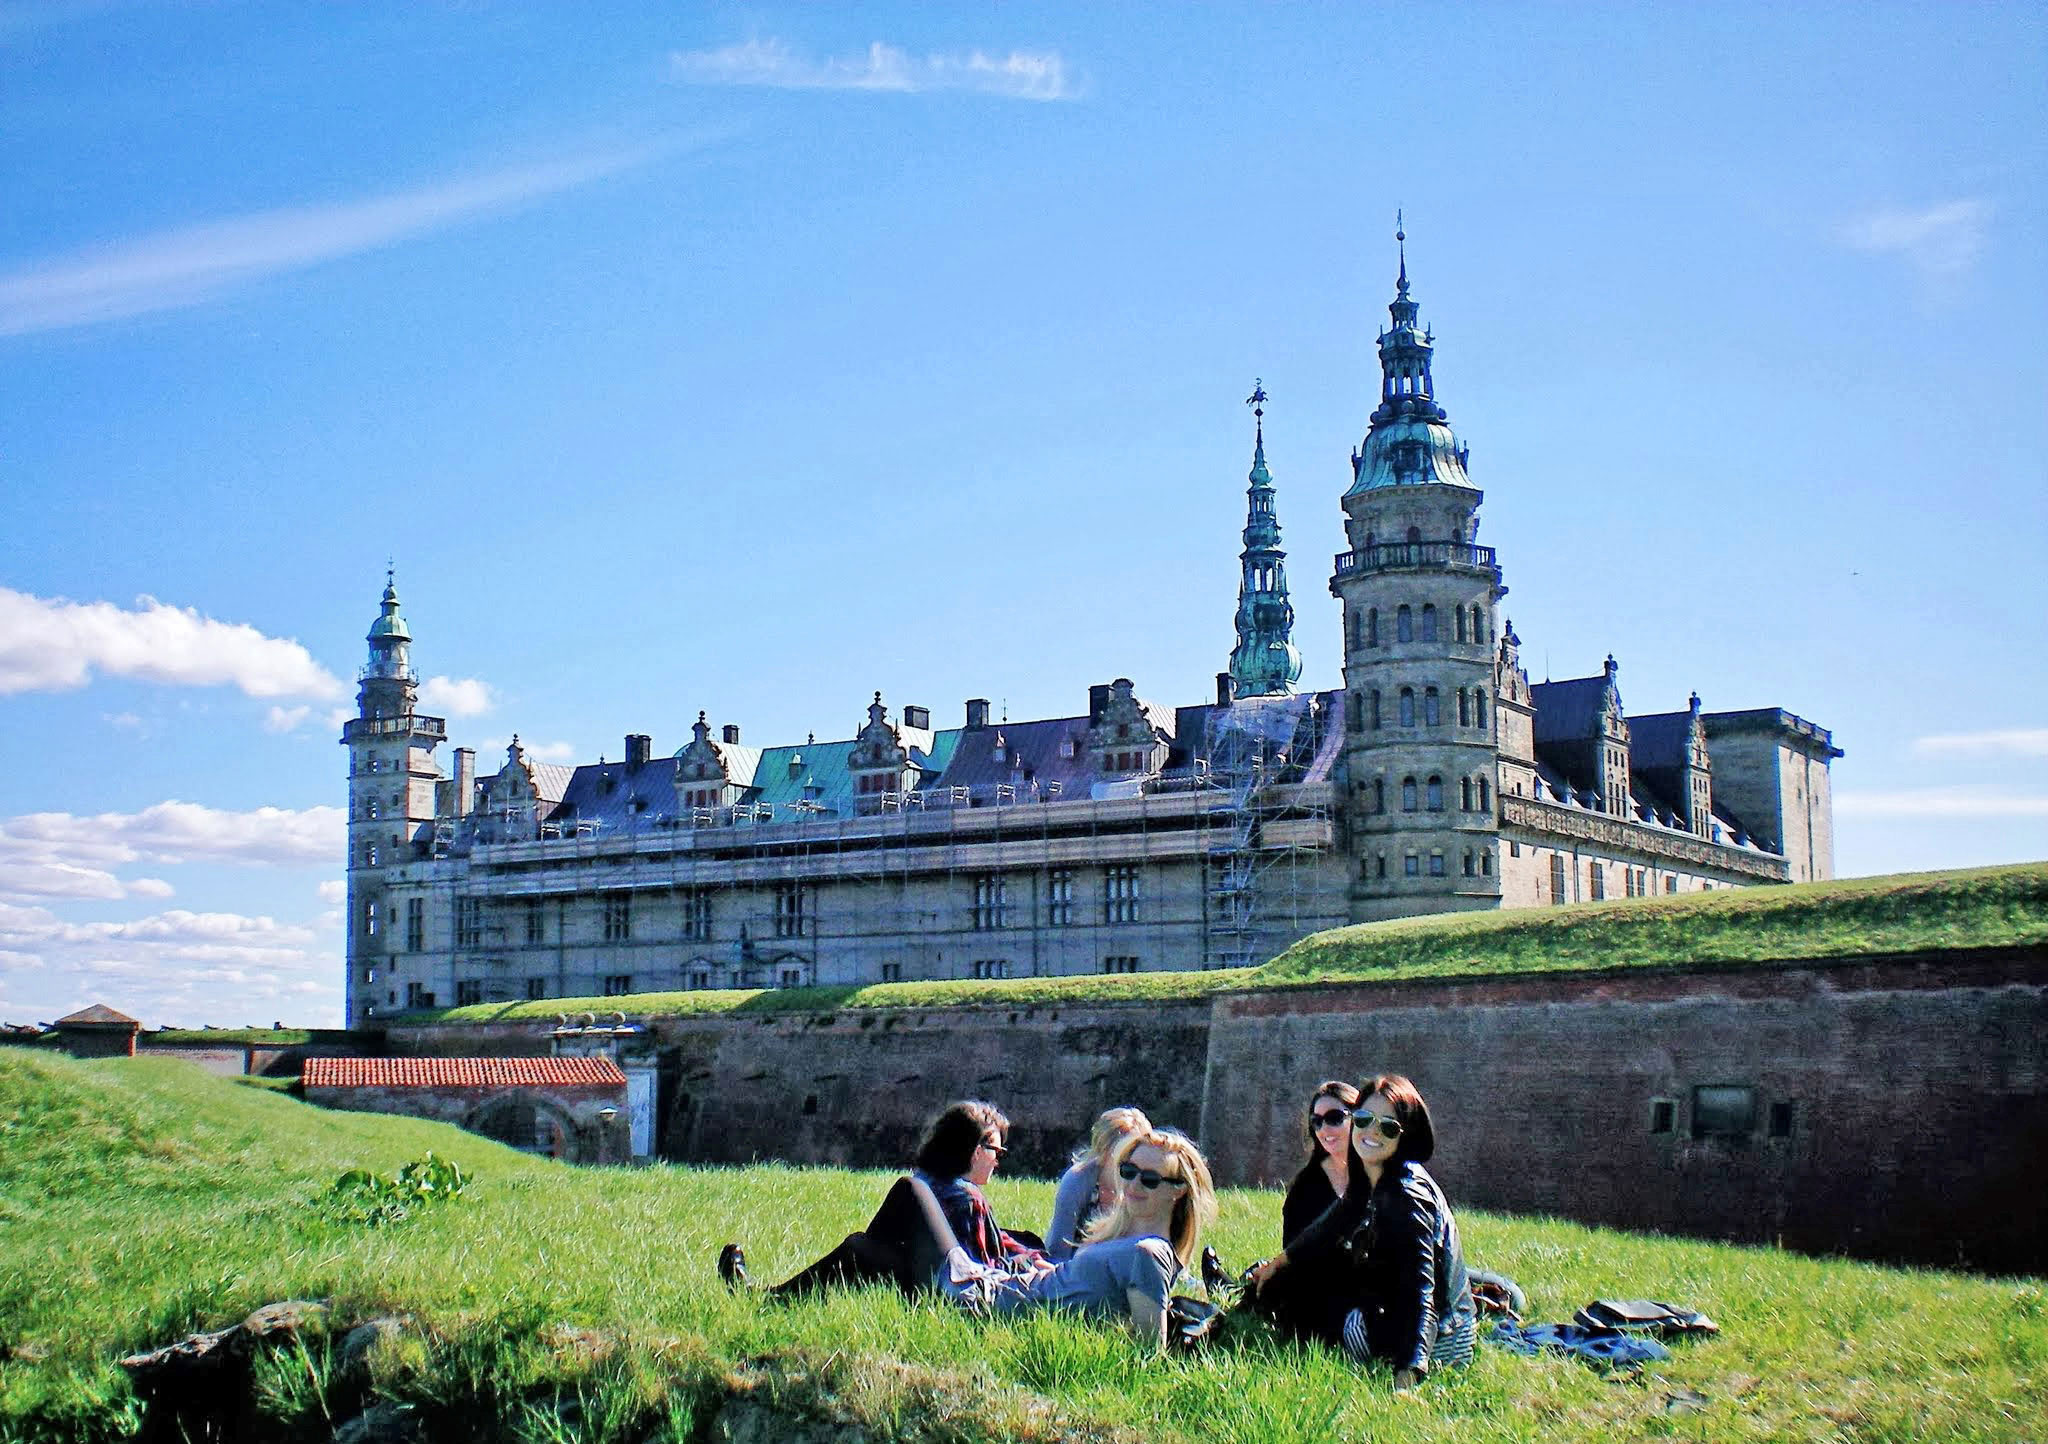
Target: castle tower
(1420, 598)
(391, 780)
(1264, 663)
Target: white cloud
(1019, 75)
(192, 264)
(53, 645)
(1940, 240)
(285, 719)
(455, 697)
(491, 753)
(64, 855)
(1961, 801)
(123, 721)
(2010, 741)
(332, 890)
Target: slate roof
(462, 1073)
(1031, 754)
(1568, 711)
(98, 1015)
(1659, 740)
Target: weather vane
(1257, 402)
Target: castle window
(469, 922)
(1478, 625)
(370, 918)
(417, 996)
(1436, 794)
(534, 921)
(1407, 706)
(1379, 794)
(1459, 612)
(697, 916)
(991, 903)
(1407, 794)
(469, 990)
(1351, 631)
(1372, 626)
(617, 985)
(1723, 1111)
(1059, 897)
(618, 917)
(370, 809)
(415, 924)
(986, 968)
(1464, 708)
(1781, 1119)
(1411, 866)
(1432, 709)
(1120, 895)
(1436, 864)
(370, 854)
(1558, 894)
(1468, 862)
(1486, 864)
(789, 910)
(1596, 882)
(1381, 870)
(1429, 622)
(1353, 712)
(1414, 535)
(1485, 796)
(1124, 964)
(1671, 884)
(1663, 1115)
(892, 972)
(1404, 624)
(1465, 802)
(536, 989)
(1514, 848)
(1478, 708)
(1375, 709)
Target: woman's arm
(1410, 1221)
(1077, 1184)
(1335, 1224)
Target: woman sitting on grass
(1410, 1303)
(960, 1151)
(1089, 1186)
(1125, 1271)
(1312, 1303)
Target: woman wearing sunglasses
(1303, 1302)
(1411, 1304)
(1133, 1253)
(1089, 1186)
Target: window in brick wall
(617, 985)
(536, 922)
(1671, 884)
(892, 972)
(1124, 964)
(992, 967)
(469, 922)
(618, 917)
(792, 977)
(1723, 1111)
(1059, 897)
(1557, 880)
(1411, 865)
(1663, 1115)
(417, 996)
(415, 924)
(1596, 882)
(789, 910)
(1436, 863)
(536, 989)
(697, 916)
(991, 902)
(1781, 1118)
(469, 990)
(1120, 895)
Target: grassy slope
(1974, 908)
(142, 1199)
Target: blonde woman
(1134, 1252)
(1089, 1186)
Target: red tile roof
(462, 1073)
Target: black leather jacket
(1405, 1258)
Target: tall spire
(1264, 663)
(1401, 240)
(390, 687)
(1408, 442)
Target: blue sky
(752, 358)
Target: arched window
(1372, 627)
(1375, 709)
(1407, 706)
(1485, 795)
(1478, 626)
(1479, 707)
(1465, 798)
(1432, 713)
(1353, 632)
(1379, 794)
(1460, 612)
(1414, 535)
(1351, 711)
(1464, 708)
(1436, 794)
(1429, 622)
(1407, 794)
(1404, 624)
(1486, 864)
(1468, 862)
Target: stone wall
(1900, 1104)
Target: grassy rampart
(1811, 922)
(141, 1199)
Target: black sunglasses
(996, 1148)
(1130, 1172)
(1380, 1123)
(1330, 1118)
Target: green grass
(1818, 922)
(140, 1199)
(236, 1037)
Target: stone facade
(1129, 837)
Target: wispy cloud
(491, 751)
(2006, 742)
(186, 266)
(1019, 75)
(69, 856)
(54, 645)
(456, 697)
(1939, 240)
(1984, 800)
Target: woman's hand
(1265, 1270)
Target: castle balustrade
(358, 729)
(1415, 556)
(1550, 820)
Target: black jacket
(1404, 1254)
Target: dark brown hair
(949, 1144)
(1335, 1088)
(1418, 1134)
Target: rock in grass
(382, 1423)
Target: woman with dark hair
(1409, 1303)
(1312, 1303)
(961, 1149)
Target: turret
(1264, 663)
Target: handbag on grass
(1643, 1316)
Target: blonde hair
(1193, 1211)
(1108, 1129)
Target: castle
(1127, 837)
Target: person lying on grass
(960, 1152)
(1134, 1252)
(1089, 1186)
(1391, 1239)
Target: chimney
(639, 747)
(465, 779)
(731, 734)
(1098, 698)
(918, 717)
(1223, 689)
(977, 713)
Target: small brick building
(566, 1108)
(97, 1032)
